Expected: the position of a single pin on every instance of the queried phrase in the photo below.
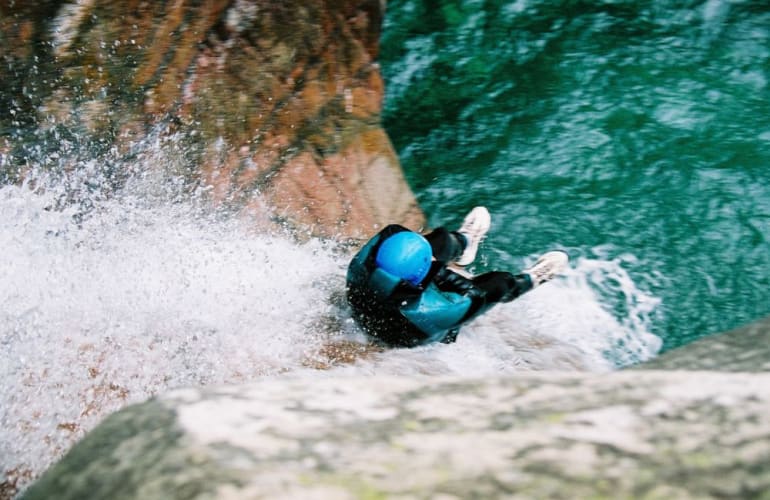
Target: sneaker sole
(548, 266)
(469, 255)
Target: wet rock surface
(744, 349)
(623, 435)
(276, 104)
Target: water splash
(143, 292)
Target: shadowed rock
(626, 435)
(278, 101)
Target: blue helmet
(406, 255)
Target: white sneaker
(547, 266)
(474, 228)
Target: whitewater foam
(134, 298)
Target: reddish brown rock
(284, 97)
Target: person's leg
(495, 287)
(474, 229)
(460, 246)
(447, 245)
(502, 286)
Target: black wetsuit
(401, 314)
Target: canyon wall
(277, 103)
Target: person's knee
(447, 245)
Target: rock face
(279, 100)
(627, 435)
(744, 349)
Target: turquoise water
(632, 131)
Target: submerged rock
(622, 435)
(277, 102)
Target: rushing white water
(144, 294)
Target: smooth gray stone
(744, 349)
(630, 434)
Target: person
(408, 289)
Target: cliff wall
(279, 101)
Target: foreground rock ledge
(629, 434)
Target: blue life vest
(434, 312)
(437, 312)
